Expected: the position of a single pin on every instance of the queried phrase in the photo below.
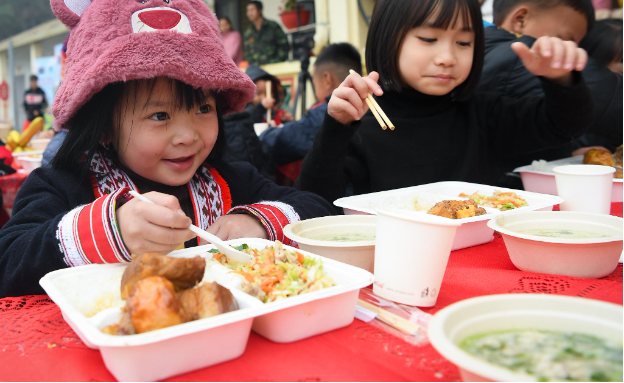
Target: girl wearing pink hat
(146, 85)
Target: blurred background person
(293, 141)
(264, 40)
(261, 103)
(604, 44)
(525, 21)
(231, 40)
(35, 101)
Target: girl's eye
(427, 40)
(160, 116)
(167, 1)
(204, 109)
(464, 44)
(141, 1)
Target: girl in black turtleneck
(427, 58)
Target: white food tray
(543, 181)
(473, 231)
(313, 313)
(83, 291)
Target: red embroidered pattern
(208, 190)
(106, 177)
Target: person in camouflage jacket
(264, 41)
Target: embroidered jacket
(60, 220)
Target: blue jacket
(292, 141)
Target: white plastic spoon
(223, 247)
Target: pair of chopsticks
(393, 320)
(268, 94)
(379, 114)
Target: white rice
(410, 201)
(93, 292)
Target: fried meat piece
(598, 157)
(184, 273)
(457, 209)
(153, 305)
(205, 301)
(618, 155)
(124, 327)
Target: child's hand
(347, 103)
(233, 226)
(268, 102)
(552, 58)
(160, 227)
(287, 117)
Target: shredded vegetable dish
(277, 273)
(500, 200)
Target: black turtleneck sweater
(439, 139)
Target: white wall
(47, 45)
(270, 11)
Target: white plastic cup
(585, 188)
(411, 254)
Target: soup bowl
(508, 312)
(576, 244)
(344, 238)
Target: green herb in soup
(549, 355)
(563, 233)
(346, 237)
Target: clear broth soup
(346, 237)
(564, 233)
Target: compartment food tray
(543, 181)
(473, 231)
(89, 299)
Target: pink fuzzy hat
(121, 40)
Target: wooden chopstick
(268, 94)
(383, 115)
(379, 114)
(393, 320)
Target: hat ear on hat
(69, 11)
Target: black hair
(343, 56)
(226, 19)
(34, 77)
(502, 8)
(257, 3)
(393, 19)
(604, 42)
(97, 119)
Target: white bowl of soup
(344, 238)
(569, 243)
(530, 337)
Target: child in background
(525, 21)
(260, 104)
(142, 100)
(604, 44)
(292, 141)
(428, 56)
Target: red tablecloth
(37, 344)
(10, 186)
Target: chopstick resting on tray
(379, 114)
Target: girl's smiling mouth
(180, 163)
(443, 77)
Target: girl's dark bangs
(183, 96)
(449, 12)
